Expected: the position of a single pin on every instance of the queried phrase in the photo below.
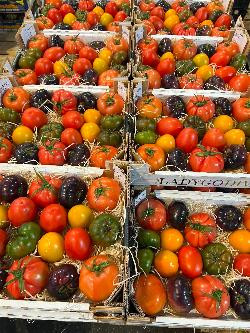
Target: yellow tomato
(100, 65)
(166, 142)
(166, 263)
(201, 59)
(106, 55)
(170, 12)
(224, 123)
(205, 72)
(51, 247)
(22, 134)
(60, 67)
(171, 239)
(105, 19)
(98, 10)
(80, 216)
(69, 18)
(167, 55)
(4, 221)
(235, 137)
(240, 240)
(207, 22)
(90, 131)
(92, 116)
(171, 21)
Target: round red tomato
(52, 153)
(54, 53)
(86, 5)
(240, 82)
(21, 210)
(158, 11)
(5, 150)
(220, 59)
(80, 25)
(201, 106)
(191, 81)
(111, 8)
(206, 159)
(44, 22)
(54, 3)
(43, 66)
(38, 41)
(241, 109)
(81, 65)
(73, 45)
(66, 9)
(146, 5)
(226, 73)
(3, 242)
(201, 230)
(169, 125)
(157, 22)
(229, 46)
(154, 78)
(242, 264)
(150, 29)
(77, 244)
(214, 137)
(150, 58)
(55, 15)
(151, 214)
(166, 66)
(187, 140)
(64, 101)
(92, 18)
(120, 17)
(190, 261)
(148, 43)
(223, 20)
(43, 191)
(71, 79)
(70, 136)
(72, 119)
(107, 78)
(88, 53)
(201, 14)
(53, 218)
(110, 103)
(34, 118)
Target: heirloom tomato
(226, 73)
(240, 240)
(39, 41)
(220, 32)
(169, 125)
(16, 98)
(73, 45)
(201, 14)
(179, 5)
(220, 58)
(148, 44)
(64, 101)
(81, 65)
(43, 66)
(25, 76)
(201, 106)
(241, 109)
(187, 139)
(116, 44)
(240, 82)
(190, 261)
(149, 106)
(34, 118)
(166, 263)
(110, 103)
(242, 264)
(80, 216)
(54, 53)
(154, 78)
(146, 5)
(229, 46)
(224, 123)
(223, 20)
(191, 81)
(171, 21)
(5, 150)
(166, 66)
(73, 119)
(70, 136)
(52, 153)
(246, 218)
(54, 15)
(44, 22)
(153, 155)
(21, 210)
(206, 159)
(149, 58)
(3, 242)
(235, 137)
(53, 218)
(214, 137)
(88, 52)
(184, 49)
(185, 28)
(107, 77)
(171, 239)
(101, 154)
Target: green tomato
(69, 59)
(119, 58)
(145, 259)
(9, 115)
(52, 130)
(34, 52)
(119, 68)
(144, 124)
(110, 138)
(197, 123)
(6, 130)
(27, 61)
(105, 229)
(217, 259)
(112, 122)
(247, 144)
(238, 61)
(148, 238)
(245, 127)
(25, 241)
(126, 8)
(184, 67)
(145, 137)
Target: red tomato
(210, 296)
(240, 82)
(193, 22)
(120, 16)
(52, 153)
(206, 159)
(157, 22)
(241, 109)
(169, 125)
(55, 3)
(231, 47)
(220, 32)
(21, 210)
(72, 119)
(187, 140)
(107, 78)
(81, 65)
(53, 218)
(73, 45)
(158, 11)
(54, 53)
(3, 242)
(66, 9)
(223, 20)
(25, 76)
(148, 43)
(154, 78)
(86, 5)
(34, 118)
(55, 15)
(166, 66)
(201, 106)
(38, 41)
(226, 73)
(5, 150)
(184, 29)
(43, 191)
(88, 53)
(150, 58)
(220, 59)
(190, 261)
(70, 136)
(201, 14)
(214, 137)
(111, 8)
(44, 22)
(64, 101)
(146, 5)
(150, 29)
(80, 25)
(43, 66)
(92, 18)
(151, 214)
(191, 81)
(77, 244)
(242, 264)
(70, 79)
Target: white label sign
(138, 91)
(27, 32)
(7, 68)
(139, 33)
(5, 84)
(121, 89)
(241, 38)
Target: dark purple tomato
(3, 277)
(72, 192)
(228, 218)
(178, 214)
(175, 107)
(177, 160)
(170, 81)
(179, 294)
(235, 156)
(214, 83)
(13, 187)
(240, 298)
(63, 281)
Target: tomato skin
(190, 261)
(66, 9)
(3, 242)
(201, 106)
(226, 73)
(206, 303)
(241, 109)
(5, 150)
(21, 210)
(214, 137)
(54, 53)
(240, 82)
(153, 155)
(72, 119)
(211, 161)
(157, 22)
(242, 264)
(70, 136)
(110, 103)
(34, 118)
(88, 53)
(221, 58)
(150, 294)
(53, 218)
(81, 65)
(77, 244)
(54, 15)
(35, 277)
(16, 98)
(64, 101)
(38, 41)
(25, 76)
(150, 58)
(187, 140)
(154, 79)
(151, 214)
(111, 8)
(100, 155)
(120, 17)
(43, 66)
(166, 66)
(169, 125)
(52, 153)
(91, 281)
(223, 20)
(148, 43)
(73, 45)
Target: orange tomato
(246, 218)
(149, 107)
(116, 44)
(166, 263)
(171, 239)
(240, 240)
(101, 154)
(16, 98)
(153, 155)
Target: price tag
(138, 91)
(125, 32)
(119, 174)
(29, 14)
(7, 68)
(241, 38)
(5, 84)
(121, 89)
(27, 31)
(139, 33)
(140, 197)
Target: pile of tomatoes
(182, 248)
(202, 135)
(57, 219)
(83, 15)
(30, 135)
(182, 64)
(182, 18)
(53, 61)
